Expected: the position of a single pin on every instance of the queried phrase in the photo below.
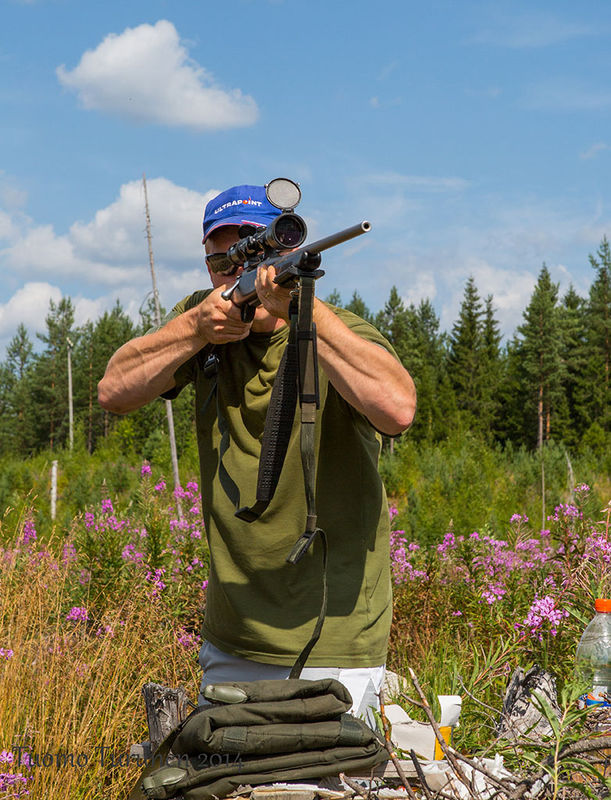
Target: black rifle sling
(298, 370)
(309, 402)
(277, 431)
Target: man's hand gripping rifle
(297, 375)
(269, 246)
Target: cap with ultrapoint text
(240, 205)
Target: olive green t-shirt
(258, 606)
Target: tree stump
(165, 710)
(519, 717)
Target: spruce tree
(392, 322)
(17, 412)
(357, 306)
(598, 338)
(573, 416)
(542, 370)
(492, 369)
(466, 366)
(424, 356)
(334, 298)
(50, 376)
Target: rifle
(297, 376)
(265, 247)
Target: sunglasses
(220, 264)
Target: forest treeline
(549, 381)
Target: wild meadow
(110, 595)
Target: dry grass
(73, 687)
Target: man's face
(219, 242)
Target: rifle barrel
(338, 238)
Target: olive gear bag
(259, 732)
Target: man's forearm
(366, 375)
(144, 368)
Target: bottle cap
(603, 606)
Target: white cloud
(12, 196)
(594, 150)
(530, 30)
(565, 95)
(111, 249)
(145, 75)
(424, 183)
(104, 259)
(29, 305)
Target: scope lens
(289, 230)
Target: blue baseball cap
(240, 205)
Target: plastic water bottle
(593, 659)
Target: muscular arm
(366, 375)
(144, 367)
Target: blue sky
(474, 136)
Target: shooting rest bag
(260, 732)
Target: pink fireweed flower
(564, 511)
(107, 507)
(400, 552)
(145, 469)
(494, 592)
(598, 546)
(77, 614)
(582, 488)
(13, 783)
(69, 555)
(160, 486)
(6, 653)
(129, 553)
(89, 519)
(187, 639)
(105, 630)
(29, 531)
(84, 577)
(192, 486)
(393, 511)
(204, 585)
(155, 578)
(6, 757)
(543, 610)
(449, 543)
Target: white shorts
(363, 683)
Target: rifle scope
(286, 232)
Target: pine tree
(540, 359)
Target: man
(260, 611)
